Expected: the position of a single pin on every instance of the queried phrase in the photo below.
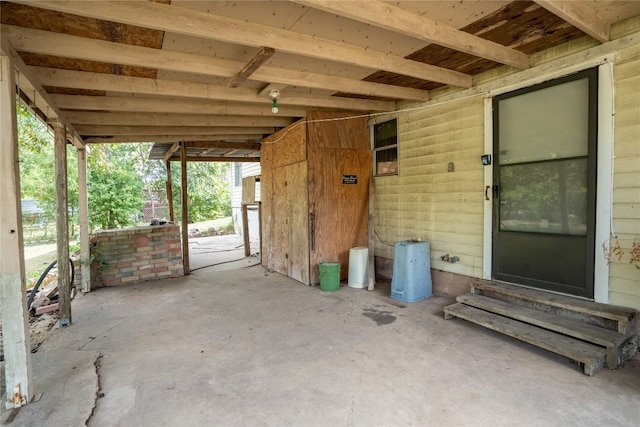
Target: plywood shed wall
(309, 214)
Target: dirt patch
(39, 328)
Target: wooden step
(591, 356)
(607, 338)
(624, 318)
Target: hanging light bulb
(274, 94)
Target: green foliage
(209, 195)
(37, 174)
(119, 175)
(115, 187)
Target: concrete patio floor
(228, 347)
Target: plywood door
(341, 211)
(298, 224)
(278, 246)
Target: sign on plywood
(349, 179)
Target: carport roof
(205, 151)
(171, 71)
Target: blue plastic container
(411, 280)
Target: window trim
(237, 178)
(375, 150)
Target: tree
(37, 164)
(209, 195)
(115, 187)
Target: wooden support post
(185, 209)
(245, 227)
(13, 298)
(260, 228)
(83, 213)
(245, 230)
(170, 192)
(62, 223)
(372, 246)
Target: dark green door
(544, 184)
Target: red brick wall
(133, 255)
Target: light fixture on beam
(274, 94)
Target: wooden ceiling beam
(205, 152)
(170, 105)
(256, 62)
(48, 43)
(170, 119)
(158, 87)
(7, 49)
(204, 25)
(398, 20)
(168, 138)
(217, 159)
(111, 130)
(224, 145)
(581, 15)
(174, 147)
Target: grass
(35, 266)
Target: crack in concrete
(98, 393)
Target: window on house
(385, 147)
(237, 173)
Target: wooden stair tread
(592, 356)
(612, 312)
(574, 328)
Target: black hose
(34, 290)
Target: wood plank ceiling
(201, 71)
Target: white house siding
(624, 285)
(446, 208)
(427, 202)
(248, 169)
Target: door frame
(604, 152)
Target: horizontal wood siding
(624, 280)
(425, 200)
(248, 169)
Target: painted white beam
(581, 15)
(157, 87)
(181, 20)
(49, 43)
(13, 297)
(398, 20)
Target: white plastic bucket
(358, 267)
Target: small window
(385, 147)
(237, 172)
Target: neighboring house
(237, 172)
(31, 207)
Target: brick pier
(135, 254)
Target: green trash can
(329, 276)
